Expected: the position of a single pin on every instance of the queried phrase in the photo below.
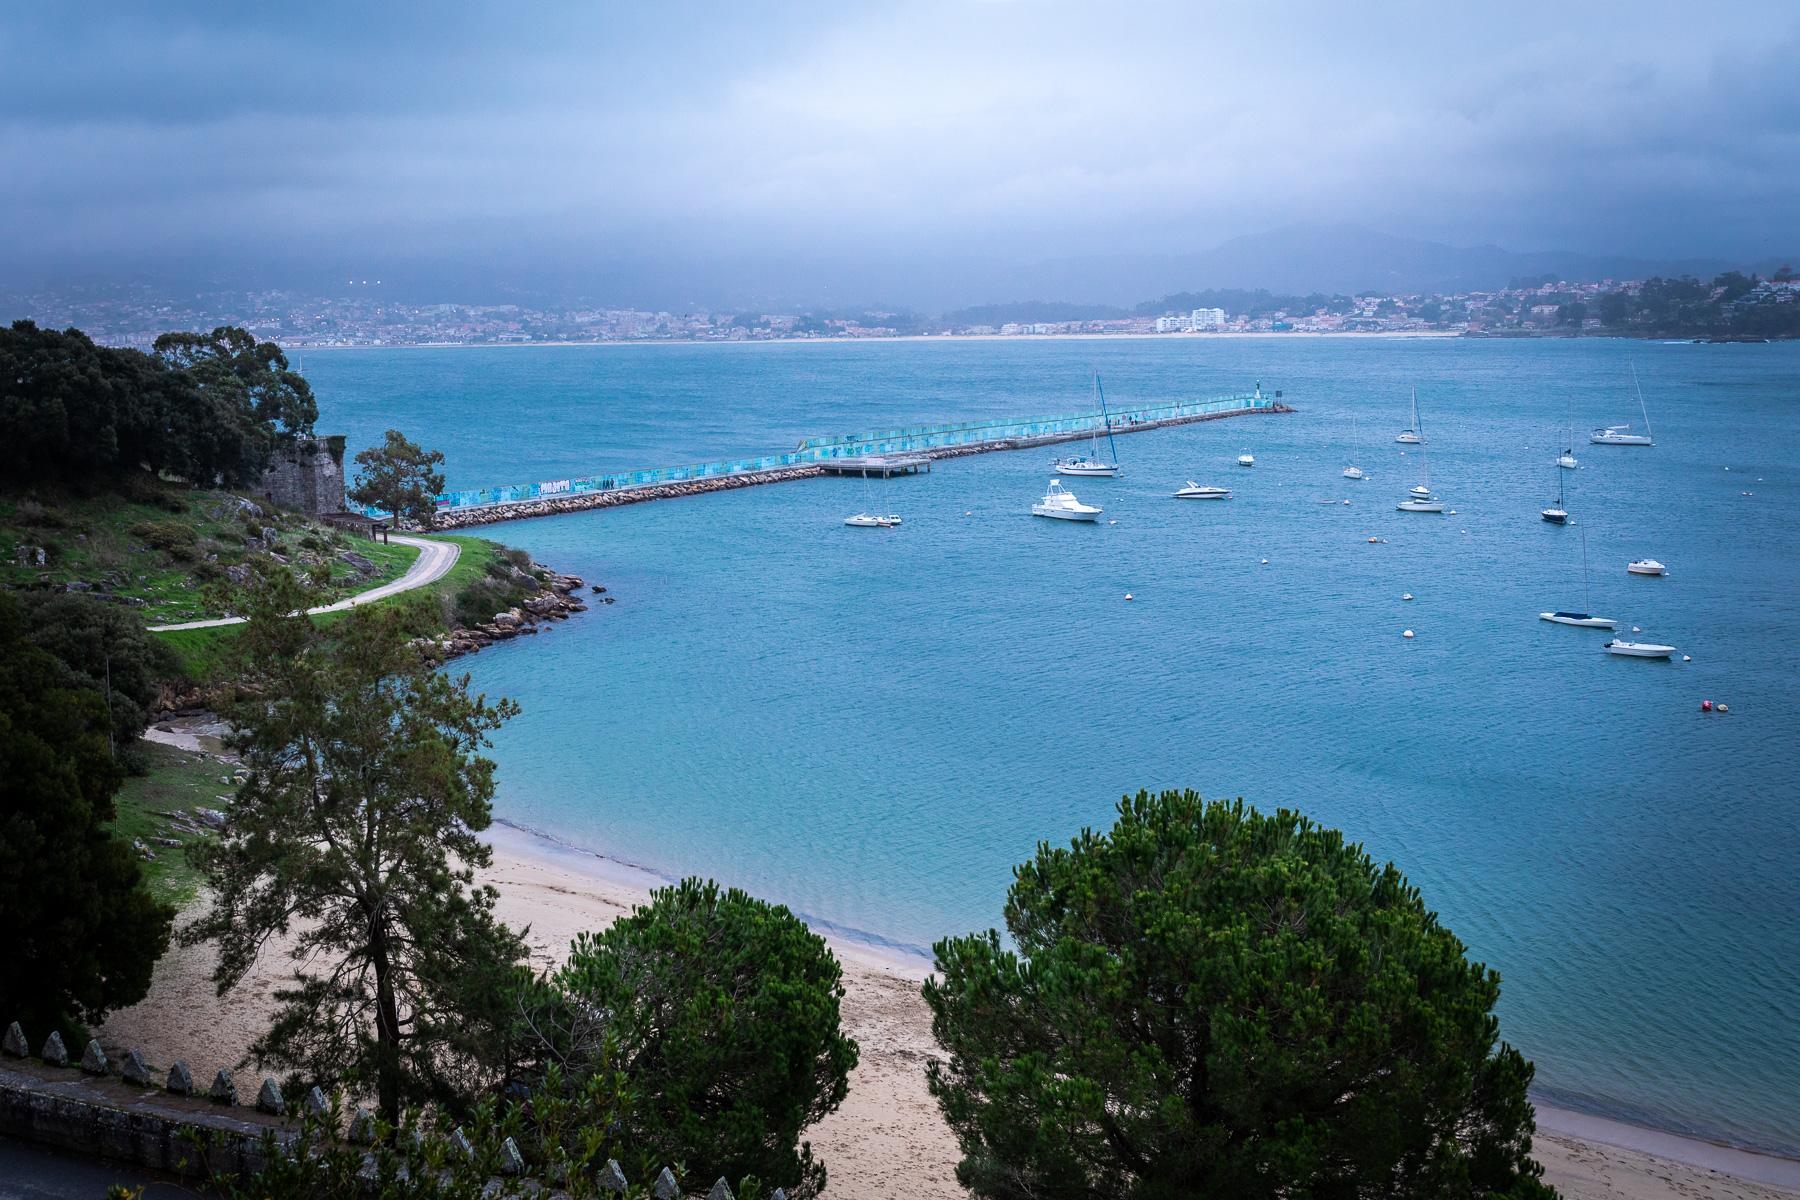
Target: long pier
(914, 446)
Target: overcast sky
(784, 149)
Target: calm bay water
(872, 726)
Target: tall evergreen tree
(1210, 1001)
(82, 932)
(356, 837)
(400, 477)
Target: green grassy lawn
(202, 651)
(178, 781)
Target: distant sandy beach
(887, 1139)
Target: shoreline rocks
(554, 601)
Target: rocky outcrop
(554, 601)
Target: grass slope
(178, 781)
(159, 545)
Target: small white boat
(1353, 472)
(1091, 465)
(1414, 436)
(1566, 460)
(1194, 491)
(1081, 464)
(1246, 460)
(1621, 435)
(1063, 506)
(1416, 504)
(1638, 649)
(865, 521)
(1578, 618)
(891, 519)
(1646, 566)
(1556, 516)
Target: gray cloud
(895, 151)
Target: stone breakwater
(556, 506)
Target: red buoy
(1706, 706)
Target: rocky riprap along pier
(157, 1117)
(462, 517)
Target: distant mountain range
(1343, 259)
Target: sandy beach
(887, 1139)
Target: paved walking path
(434, 562)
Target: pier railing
(885, 441)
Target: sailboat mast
(1587, 604)
(1101, 392)
(1643, 409)
(1419, 428)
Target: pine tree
(1210, 1001)
(356, 837)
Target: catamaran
(1063, 506)
(1621, 435)
(1416, 435)
(1419, 498)
(1583, 619)
(1091, 464)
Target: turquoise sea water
(874, 725)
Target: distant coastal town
(1730, 307)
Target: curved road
(434, 562)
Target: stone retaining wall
(132, 1113)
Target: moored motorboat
(1429, 504)
(1646, 566)
(1246, 460)
(1062, 505)
(1194, 491)
(1638, 649)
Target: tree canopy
(355, 835)
(108, 652)
(1211, 1001)
(401, 478)
(82, 930)
(716, 1015)
(207, 407)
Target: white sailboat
(1414, 436)
(1583, 619)
(1092, 465)
(1420, 498)
(1621, 435)
(1566, 460)
(1062, 505)
(1351, 470)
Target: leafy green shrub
(167, 536)
(720, 1013)
(477, 603)
(1209, 1001)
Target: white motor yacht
(1638, 649)
(1063, 506)
(1246, 460)
(1194, 491)
(1429, 504)
(1646, 566)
